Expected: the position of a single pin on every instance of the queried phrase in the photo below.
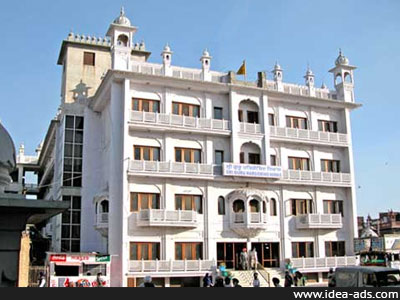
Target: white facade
(110, 172)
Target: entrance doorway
(268, 254)
(229, 254)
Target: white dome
(7, 150)
(341, 60)
(122, 19)
(206, 53)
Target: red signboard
(58, 257)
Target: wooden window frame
(240, 115)
(333, 207)
(294, 122)
(256, 116)
(150, 249)
(193, 203)
(340, 247)
(221, 206)
(191, 106)
(298, 206)
(273, 160)
(299, 162)
(215, 156)
(220, 109)
(327, 126)
(89, 58)
(297, 245)
(273, 212)
(258, 160)
(193, 246)
(143, 197)
(141, 101)
(192, 152)
(271, 119)
(142, 149)
(327, 165)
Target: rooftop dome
(341, 60)
(7, 150)
(122, 19)
(309, 72)
(167, 48)
(206, 53)
(277, 66)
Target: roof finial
(340, 51)
(122, 11)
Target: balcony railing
(171, 120)
(317, 177)
(324, 262)
(248, 224)
(171, 266)
(174, 168)
(308, 135)
(102, 219)
(251, 128)
(320, 221)
(167, 218)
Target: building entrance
(229, 254)
(268, 254)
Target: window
(140, 201)
(242, 157)
(187, 155)
(89, 58)
(296, 122)
(302, 249)
(146, 105)
(189, 202)
(240, 115)
(145, 251)
(71, 225)
(188, 251)
(146, 153)
(219, 157)
(271, 119)
(218, 113)
(73, 151)
(221, 205)
(299, 163)
(301, 206)
(333, 207)
(183, 109)
(252, 117)
(238, 206)
(254, 206)
(272, 207)
(273, 160)
(95, 269)
(254, 158)
(332, 166)
(327, 126)
(334, 249)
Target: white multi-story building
(173, 170)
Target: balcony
(166, 218)
(321, 264)
(184, 267)
(248, 224)
(102, 223)
(173, 169)
(250, 128)
(319, 221)
(180, 123)
(316, 178)
(298, 135)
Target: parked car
(367, 277)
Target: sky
(294, 33)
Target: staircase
(246, 277)
(276, 272)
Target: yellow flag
(242, 70)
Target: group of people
(227, 281)
(248, 260)
(294, 279)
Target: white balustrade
(319, 221)
(167, 218)
(250, 128)
(171, 266)
(317, 177)
(324, 262)
(315, 136)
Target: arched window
(221, 205)
(238, 206)
(338, 79)
(254, 206)
(123, 40)
(272, 208)
(104, 206)
(264, 207)
(347, 77)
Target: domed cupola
(7, 158)
(341, 60)
(122, 19)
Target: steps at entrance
(246, 278)
(278, 273)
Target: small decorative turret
(309, 77)
(205, 65)
(278, 76)
(167, 58)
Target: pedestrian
(236, 282)
(276, 282)
(227, 282)
(244, 259)
(331, 278)
(256, 281)
(207, 280)
(219, 282)
(147, 282)
(42, 280)
(301, 279)
(288, 279)
(99, 280)
(253, 259)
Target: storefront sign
(103, 258)
(259, 171)
(58, 257)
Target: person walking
(42, 280)
(227, 282)
(99, 280)
(301, 279)
(331, 278)
(219, 282)
(236, 282)
(276, 282)
(253, 259)
(244, 259)
(147, 282)
(207, 280)
(288, 279)
(256, 281)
